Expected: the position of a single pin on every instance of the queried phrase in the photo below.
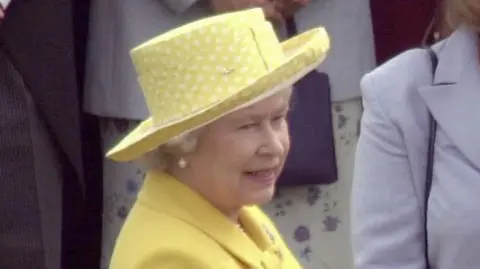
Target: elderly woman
(417, 177)
(218, 91)
(111, 89)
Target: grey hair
(157, 159)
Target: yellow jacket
(172, 227)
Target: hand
(288, 8)
(2, 13)
(270, 9)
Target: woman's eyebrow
(284, 107)
(249, 117)
(255, 116)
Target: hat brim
(303, 52)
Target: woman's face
(240, 156)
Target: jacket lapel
(454, 97)
(170, 196)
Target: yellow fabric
(172, 227)
(199, 72)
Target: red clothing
(399, 25)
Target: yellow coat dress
(173, 227)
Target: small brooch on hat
(226, 70)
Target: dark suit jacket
(38, 37)
(37, 34)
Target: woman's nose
(273, 144)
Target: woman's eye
(248, 126)
(279, 118)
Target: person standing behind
(40, 149)
(111, 88)
(417, 169)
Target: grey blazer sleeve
(386, 217)
(179, 6)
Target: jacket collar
(168, 195)
(456, 54)
(454, 97)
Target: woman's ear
(181, 144)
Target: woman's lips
(267, 176)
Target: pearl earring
(182, 163)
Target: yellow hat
(204, 70)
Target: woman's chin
(261, 196)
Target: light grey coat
(389, 177)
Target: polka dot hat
(199, 72)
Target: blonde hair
(462, 12)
